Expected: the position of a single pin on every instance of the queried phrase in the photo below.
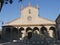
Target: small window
(29, 11)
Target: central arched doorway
(36, 30)
(43, 30)
(29, 32)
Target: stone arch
(52, 31)
(21, 29)
(43, 30)
(36, 30)
(21, 33)
(29, 32)
(52, 28)
(28, 29)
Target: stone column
(51, 33)
(23, 34)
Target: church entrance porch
(10, 33)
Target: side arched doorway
(52, 32)
(29, 32)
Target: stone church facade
(28, 24)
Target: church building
(28, 24)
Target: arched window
(29, 32)
(29, 11)
(52, 31)
(43, 30)
(36, 30)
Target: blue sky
(49, 9)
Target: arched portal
(21, 29)
(29, 32)
(36, 30)
(28, 29)
(52, 28)
(52, 31)
(44, 30)
(21, 33)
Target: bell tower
(29, 12)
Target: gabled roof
(38, 20)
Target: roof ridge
(12, 20)
(45, 18)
